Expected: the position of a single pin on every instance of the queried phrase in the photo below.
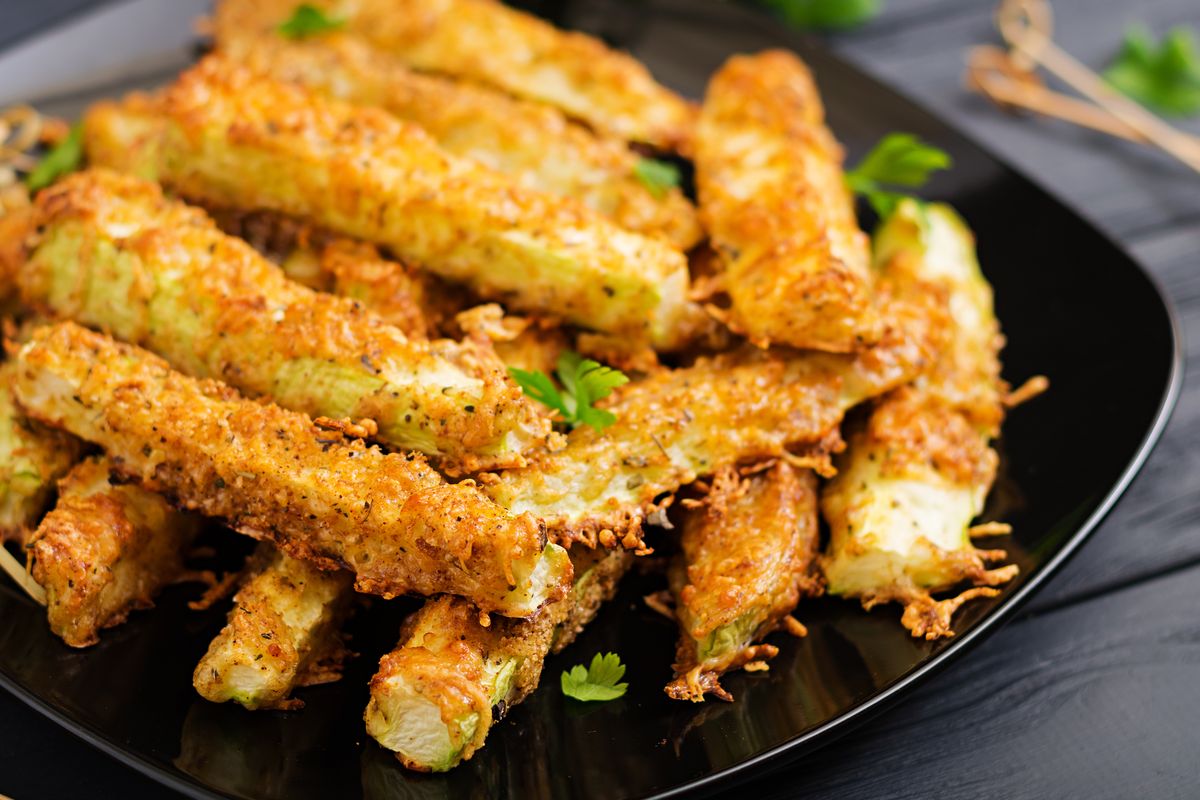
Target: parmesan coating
(273, 475)
(113, 253)
(486, 42)
(222, 135)
(104, 550)
(769, 179)
(533, 143)
(437, 695)
(677, 425)
(918, 471)
(748, 554)
(282, 634)
(32, 458)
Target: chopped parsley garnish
(584, 382)
(1165, 77)
(308, 20)
(659, 177)
(64, 158)
(597, 682)
(900, 159)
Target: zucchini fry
(273, 475)
(282, 633)
(533, 143)
(486, 42)
(748, 553)
(224, 136)
(105, 550)
(769, 179)
(677, 425)
(435, 697)
(900, 508)
(114, 254)
(32, 459)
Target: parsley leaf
(900, 159)
(1166, 77)
(825, 13)
(65, 158)
(308, 20)
(597, 682)
(657, 176)
(584, 382)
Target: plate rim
(771, 760)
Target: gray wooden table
(1094, 691)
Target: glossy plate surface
(1074, 307)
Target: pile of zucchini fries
(286, 294)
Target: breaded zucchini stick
(769, 179)
(222, 135)
(105, 550)
(900, 508)
(677, 425)
(748, 554)
(273, 475)
(435, 697)
(32, 459)
(486, 42)
(113, 253)
(282, 633)
(533, 143)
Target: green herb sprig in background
(827, 14)
(1164, 77)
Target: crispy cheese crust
(282, 634)
(32, 458)
(533, 143)
(436, 696)
(273, 475)
(113, 253)
(769, 179)
(747, 555)
(105, 550)
(677, 425)
(919, 469)
(486, 42)
(224, 136)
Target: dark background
(1093, 690)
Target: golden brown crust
(273, 475)
(236, 317)
(486, 42)
(677, 425)
(769, 178)
(105, 550)
(748, 554)
(531, 142)
(225, 136)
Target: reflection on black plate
(1073, 306)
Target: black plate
(1074, 307)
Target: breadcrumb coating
(273, 475)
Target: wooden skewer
(1008, 79)
(17, 571)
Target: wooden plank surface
(1090, 693)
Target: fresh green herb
(584, 382)
(900, 159)
(825, 13)
(308, 20)
(597, 682)
(65, 158)
(658, 176)
(1165, 77)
